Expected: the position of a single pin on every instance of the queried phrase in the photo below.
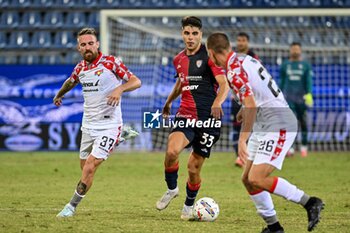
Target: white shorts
(98, 142)
(270, 147)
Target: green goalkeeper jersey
(295, 80)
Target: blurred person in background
(242, 46)
(296, 84)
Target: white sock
(288, 191)
(175, 190)
(264, 206)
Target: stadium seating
(29, 59)
(20, 3)
(30, 24)
(31, 19)
(41, 39)
(64, 39)
(109, 3)
(44, 4)
(54, 19)
(75, 19)
(9, 20)
(19, 40)
(3, 40)
(51, 59)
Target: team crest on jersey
(199, 63)
(99, 72)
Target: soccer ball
(206, 210)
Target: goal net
(148, 40)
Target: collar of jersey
(229, 58)
(200, 48)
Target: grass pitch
(34, 187)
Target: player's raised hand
(114, 97)
(166, 110)
(216, 111)
(57, 101)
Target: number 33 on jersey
(247, 76)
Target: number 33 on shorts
(207, 140)
(106, 143)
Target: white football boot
(166, 198)
(187, 213)
(68, 211)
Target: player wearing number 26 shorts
(271, 128)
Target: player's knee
(193, 168)
(245, 180)
(172, 155)
(255, 181)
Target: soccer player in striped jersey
(203, 88)
(101, 77)
(242, 46)
(272, 128)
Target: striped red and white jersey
(98, 79)
(247, 76)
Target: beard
(90, 56)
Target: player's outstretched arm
(216, 108)
(66, 87)
(249, 115)
(172, 96)
(132, 84)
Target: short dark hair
(87, 31)
(243, 34)
(192, 21)
(294, 43)
(219, 42)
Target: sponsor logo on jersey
(199, 63)
(99, 72)
(90, 84)
(190, 88)
(194, 78)
(204, 150)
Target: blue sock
(171, 176)
(171, 179)
(191, 190)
